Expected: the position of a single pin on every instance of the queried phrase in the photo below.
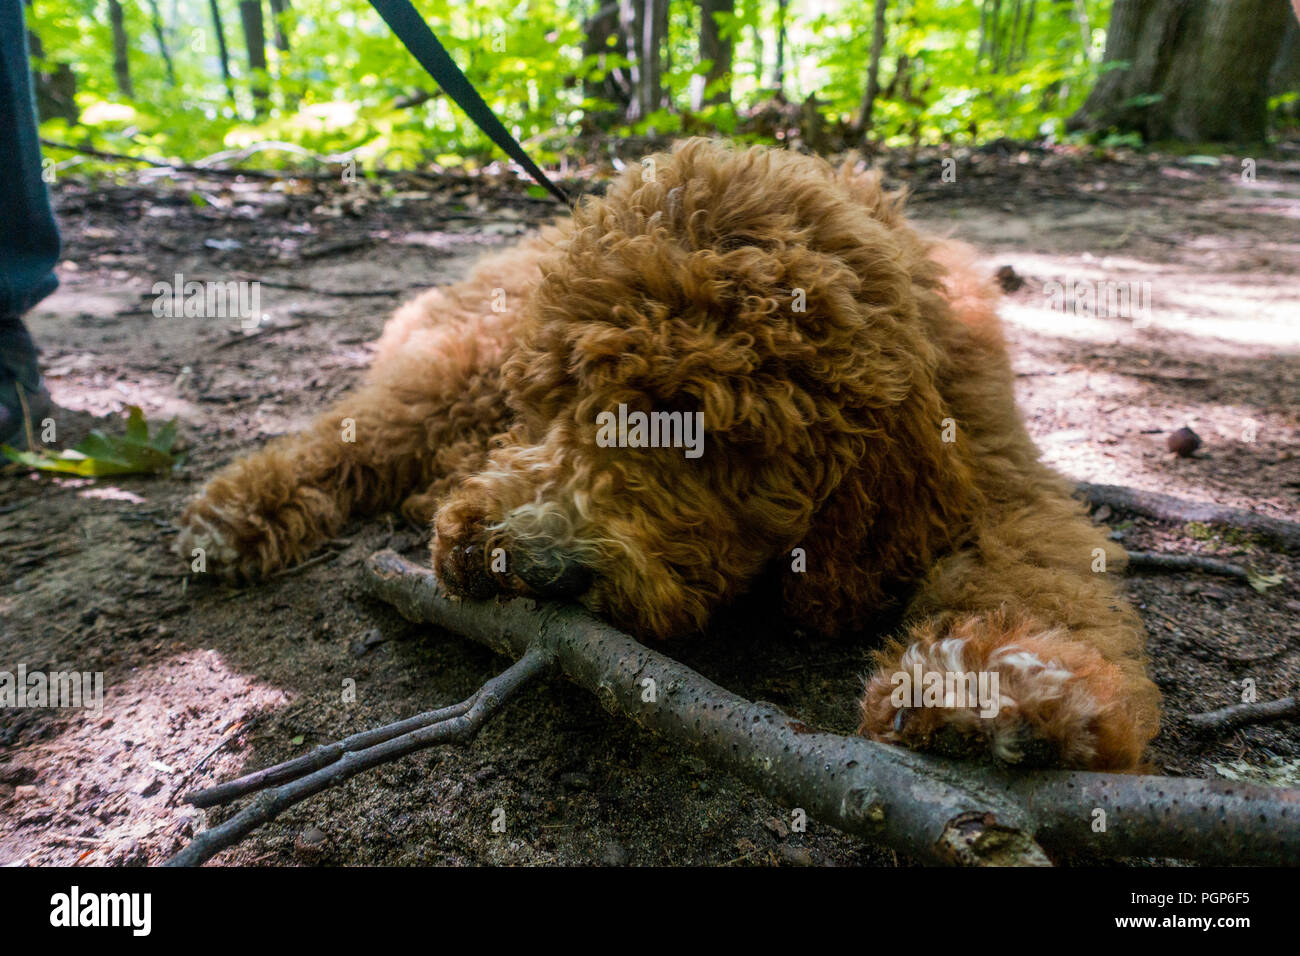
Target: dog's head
(724, 356)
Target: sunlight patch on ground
(1244, 315)
(107, 781)
(108, 493)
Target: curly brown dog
(859, 439)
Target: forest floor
(88, 580)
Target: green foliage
(346, 86)
(98, 454)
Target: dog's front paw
(480, 566)
(1021, 696)
(253, 520)
(208, 544)
(476, 557)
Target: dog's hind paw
(1007, 692)
(209, 545)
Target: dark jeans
(29, 240)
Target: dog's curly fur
(874, 428)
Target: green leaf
(133, 453)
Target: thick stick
(1151, 504)
(939, 810)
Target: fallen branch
(1150, 504)
(337, 293)
(1239, 715)
(332, 764)
(179, 167)
(1158, 561)
(938, 810)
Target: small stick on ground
(322, 756)
(309, 563)
(1239, 715)
(395, 742)
(244, 727)
(1158, 561)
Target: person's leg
(29, 239)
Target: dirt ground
(202, 683)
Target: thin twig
(337, 293)
(185, 167)
(268, 804)
(1158, 561)
(1239, 715)
(309, 563)
(322, 756)
(243, 728)
(257, 335)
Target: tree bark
(250, 15)
(222, 52)
(1192, 70)
(1284, 75)
(645, 24)
(161, 36)
(716, 49)
(55, 92)
(1161, 507)
(121, 66)
(778, 70)
(279, 33)
(602, 37)
(863, 124)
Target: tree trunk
(863, 124)
(279, 24)
(645, 24)
(718, 50)
(121, 66)
(56, 93)
(994, 47)
(250, 15)
(778, 72)
(222, 52)
(162, 41)
(1284, 75)
(1197, 70)
(1029, 26)
(603, 38)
